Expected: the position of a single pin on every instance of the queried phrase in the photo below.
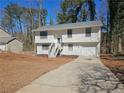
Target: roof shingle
(70, 26)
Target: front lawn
(18, 70)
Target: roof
(4, 33)
(5, 40)
(70, 26)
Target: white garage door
(89, 51)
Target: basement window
(69, 33)
(43, 34)
(88, 32)
(45, 47)
(70, 47)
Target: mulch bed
(115, 65)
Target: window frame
(69, 33)
(43, 34)
(88, 32)
(45, 47)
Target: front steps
(54, 50)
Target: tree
(92, 11)
(29, 17)
(103, 15)
(116, 24)
(20, 21)
(8, 24)
(12, 15)
(51, 21)
(71, 11)
(43, 16)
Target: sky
(52, 6)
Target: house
(81, 38)
(8, 43)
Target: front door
(58, 37)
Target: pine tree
(116, 24)
(71, 11)
(51, 21)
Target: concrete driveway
(83, 75)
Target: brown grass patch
(18, 70)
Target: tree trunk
(20, 25)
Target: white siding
(3, 47)
(89, 51)
(14, 46)
(40, 50)
(98, 50)
(80, 49)
(79, 35)
(75, 51)
(49, 39)
(82, 45)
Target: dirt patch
(116, 66)
(18, 70)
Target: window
(88, 32)
(43, 34)
(70, 47)
(69, 32)
(45, 47)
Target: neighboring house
(8, 43)
(69, 39)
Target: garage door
(89, 51)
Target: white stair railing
(54, 49)
(57, 49)
(50, 48)
(50, 54)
